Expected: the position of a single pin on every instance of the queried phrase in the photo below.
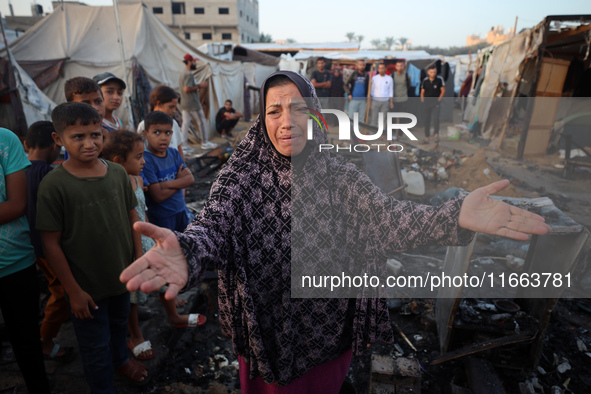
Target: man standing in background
(356, 87)
(191, 105)
(401, 85)
(432, 91)
(320, 78)
(382, 93)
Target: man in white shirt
(382, 92)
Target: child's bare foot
(178, 301)
(141, 348)
(192, 320)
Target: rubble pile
(453, 168)
(433, 166)
(563, 367)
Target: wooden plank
(543, 114)
(537, 140)
(552, 75)
(487, 345)
(548, 94)
(569, 33)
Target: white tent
(463, 64)
(367, 55)
(86, 39)
(28, 105)
(36, 105)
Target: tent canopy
(367, 55)
(22, 102)
(86, 37)
(243, 54)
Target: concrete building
(496, 35)
(21, 24)
(204, 21)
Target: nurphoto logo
(345, 130)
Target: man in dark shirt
(356, 87)
(321, 78)
(226, 119)
(432, 91)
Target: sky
(427, 22)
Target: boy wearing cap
(190, 104)
(112, 89)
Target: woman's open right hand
(163, 265)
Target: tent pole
(15, 100)
(8, 54)
(515, 27)
(125, 77)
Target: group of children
(81, 215)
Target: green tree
(376, 43)
(402, 41)
(359, 38)
(389, 41)
(350, 36)
(290, 41)
(266, 38)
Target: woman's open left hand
(483, 214)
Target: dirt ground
(201, 360)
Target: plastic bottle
(415, 182)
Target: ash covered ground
(200, 360)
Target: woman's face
(286, 119)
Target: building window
(206, 36)
(178, 8)
(241, 13)
(187, 36)
(247, 18)
(157, 10)
(257, 25)
(242, 37)
(199, 10)
(226, 36)
(223, 11)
